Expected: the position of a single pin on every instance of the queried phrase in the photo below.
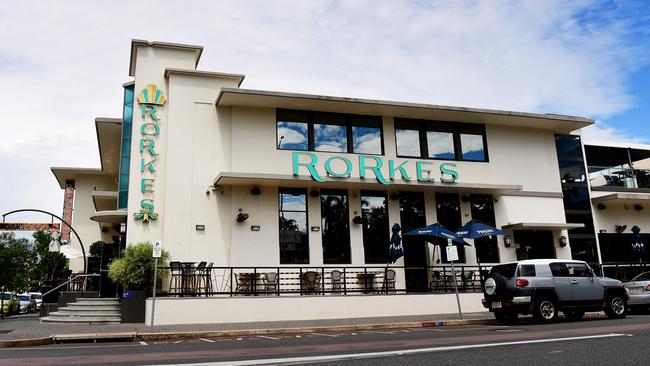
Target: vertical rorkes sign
(149, 98)
(68, 200)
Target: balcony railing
(330, 280)
(618, 177)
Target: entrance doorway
(534, 244)
(412, 216)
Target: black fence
(189, 280)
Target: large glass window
(329, 132)
(408, 142)
(376, 231)
(441, 140)
(335, 226)
(294, 241)
(440, 145)
(482, 207)
(125, 154)
(292, 130)
(448, 212)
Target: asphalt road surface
(588, 342)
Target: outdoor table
(247, 281)
(366, 281)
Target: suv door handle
(574, 282)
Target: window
(527, 270)
(440, 140)
(578, 270)
(645, 276)
(408, 142)
(335, 226)
(448, 212)
(376, 235)
(505, 270)
(440, 145)
(559, 270)
(482, 207)
(294, 241)
(329, 132)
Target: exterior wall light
(242, 216)
(563, 241)
(357, 220)
(507, 241)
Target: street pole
(453, 276)
(153, 301)
(2, 304)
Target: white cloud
(63, 63)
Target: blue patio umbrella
(476, 229)
(431, 232)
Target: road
(592, 342)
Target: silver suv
(543, 287)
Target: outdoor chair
(244, 281)
(337, 281)
(469, 280)
(203, 278)
(176, 280)
(436, 281)
(311, 282)
(389, 281)
(197, 276)
(271, 282)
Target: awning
(541, 226)
(104, 200)
(111, 217)
(631, 198)
(285, 180)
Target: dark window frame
(348, 120)
(456, 128)
(339, 192)
(294, 191)
(375, 193)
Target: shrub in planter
(134, 270)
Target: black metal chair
(176, 280)
(389, 281)
(271, 282)
(337, 281)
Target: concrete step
(76, 307)
(94, 303)
(57, 314)
(97, 299)
(96, 319)
(93, 311)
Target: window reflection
(292, 136)
(335, 227)
(448, 212)
(376, 234)
(294, 242)
(482, 207)
(472, 147)
(332, 138)
(408, 142)
(440, 145)
(366, 140)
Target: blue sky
(63, 63)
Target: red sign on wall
(68, 199)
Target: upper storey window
(329, 132)
(440, 140)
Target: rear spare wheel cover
(490, 286)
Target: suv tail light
(522, 282)
(647, 287)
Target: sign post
(157, 253)
(452, 255)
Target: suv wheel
(545, 310)
(506, 316)
(616, 307)
(574, 315)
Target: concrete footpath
(27, 330)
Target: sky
(62, 63)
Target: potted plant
(134, 271)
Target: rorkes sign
(372, 166)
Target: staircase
(88, 310)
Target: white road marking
(555, 351)
(301, 360)
(298, 336)
(144, 343)
(207, 340)
(377, 332)
(324, 335)
(267, 337)
(177, 342)
(239, 339)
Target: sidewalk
(28, 330)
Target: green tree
(42, 241)
(17, 262)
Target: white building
(250, 178)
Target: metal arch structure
(83, 250)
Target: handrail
(70, 280)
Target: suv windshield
(6, 296)
(23, 297)
(505, 270)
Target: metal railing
(322, 280)
(77, 283)
(621, 271)
(618, 177)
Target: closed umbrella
(475, 229)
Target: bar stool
(176, 280)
